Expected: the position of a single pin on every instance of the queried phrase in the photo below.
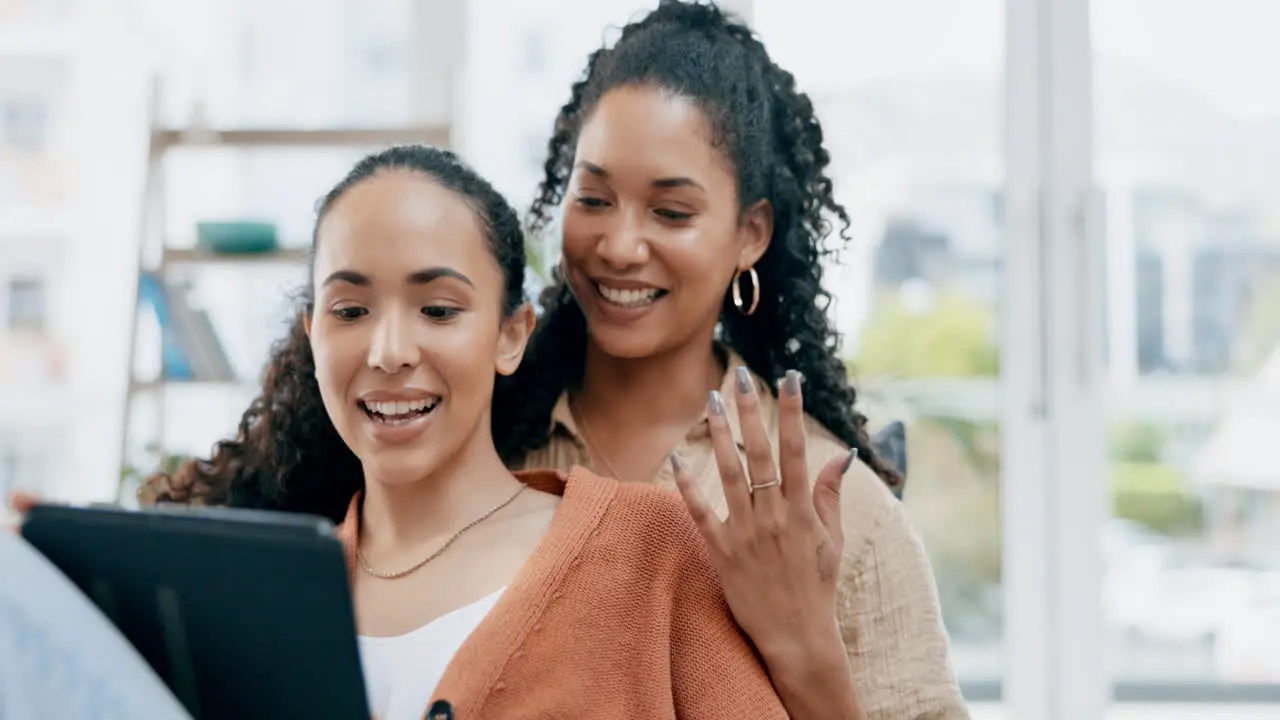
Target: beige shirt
(888, 603)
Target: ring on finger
(761, 486)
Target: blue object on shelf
(237, 237)
(175, 363)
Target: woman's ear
(755, 232)
(306, 320)
(513, 338)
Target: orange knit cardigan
(617, 614)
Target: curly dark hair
(286, 454)
(768, 129)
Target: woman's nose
(392, 348)
(625, 244)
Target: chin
(628, 345)
(637, 339)
(399, 468)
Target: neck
(456, 493)
(669, 387)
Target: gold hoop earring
(755, 291)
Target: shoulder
(823, 445)
(885, 574)
(872, 516)
(636, 507)
(867, 504)
(890, 617)
(863, 495)
(651, 519)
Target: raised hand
(778, 552)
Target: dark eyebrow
(671, 182)
(418, 277)
(593, 168)
(346, 276)
(675, 182)
(430, 275)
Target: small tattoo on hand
(824, 567)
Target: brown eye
(672, 215)
(440, 313)
(349, 313)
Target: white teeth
(400, 407)
(628, 298)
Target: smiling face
(653, 232)
(408, 326)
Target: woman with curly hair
(691, 176)
(478, 593)
(688, 312)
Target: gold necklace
(591, 446)
(364, 565)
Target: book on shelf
(190, 348)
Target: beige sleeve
(889, 613)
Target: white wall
(109, 86)
(509, 106)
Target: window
(536, 151)
(25, 461)
(49, 9)
(24, 124)
(8, 473)
(10, 183)
(1183, 157)
(26, 304)
(1184, 149)
(916, 143)
(534, 51)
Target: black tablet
(242, 613)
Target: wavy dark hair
(286, 453)
(768, 129)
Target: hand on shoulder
(778, 553)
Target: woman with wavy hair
(687, 314)
(478, 593)
(696, 210)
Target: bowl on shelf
(237, 237)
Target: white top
(60, 657)
(401, 672)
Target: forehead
(651, 132)
(399, 220)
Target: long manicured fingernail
(676, 464)
(744, 380)
(848, 460)
(792, 383)
(716, 403)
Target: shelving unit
(194, 256)
(157, 258)
(164, 138)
